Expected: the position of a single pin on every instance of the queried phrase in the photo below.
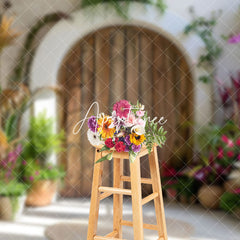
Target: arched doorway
(124, 62)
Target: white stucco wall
(28, 11)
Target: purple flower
(136, 148)
(36, 173)
(234, 39)
(24, 163)
(202, 174)
(31, 178)
(126, 148)
(127, 140)
(18, 149)
(92, 124)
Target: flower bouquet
(127, 129)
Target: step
(107, 238)
(143, 180)
(115, 190)
(145, 225)
(149, 198)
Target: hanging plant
(122, 6)
(204, 28)
(22, 69)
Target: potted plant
(230, 202)
(38, 172)
(12, 192)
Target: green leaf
(104, 148)
(132, 156)
(107, 157)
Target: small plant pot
(209, 196)
(11, 207)
(231, 185)
(187, 200)
(41, 193)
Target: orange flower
(3, 140)
(104, 129)
(7, 36)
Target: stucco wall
(26, 12)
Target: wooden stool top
(123, 155)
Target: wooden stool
(101, 192)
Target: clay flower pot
(11, 207)
(41, 193)
(209, 196)
(231, 185)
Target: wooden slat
(95, 198)
(101, 84)
(132, 65)
(143, 180)
(107, 238)
(157, 187)
(111, 234)
(137, 216)
(145, 225)
(105, 195)
(149, 198)
(86, 62)
(115, 190)
(117, 86)
(117, 198)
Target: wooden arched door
(123, 62)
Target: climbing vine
(21, 70)
(122, 6)
(204, 28)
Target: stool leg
(117, 198)
(136, 199)
(158, 202)
(95, 197)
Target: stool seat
(101, 192)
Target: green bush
(230, 202)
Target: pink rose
(140, 113)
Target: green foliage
(41, 139)
(122, 6)
(34, 171)
(106, 157)
(208, 137)
(12, 189)
(204, 28)
(230, 201)
(154, 134)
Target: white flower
(138, 129)
(94, 138)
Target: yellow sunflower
(137, 139)
(104, 129)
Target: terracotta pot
(11, 207)
(231, 185)
(41, 193)
(187, 200)
(209, 196)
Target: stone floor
(68, 218)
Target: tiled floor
(69, 218)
